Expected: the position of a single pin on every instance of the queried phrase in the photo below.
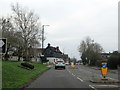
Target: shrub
(114, 61)
(99, 62)
(28, 65)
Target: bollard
(104, 69)
(73, 66)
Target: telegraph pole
(43, 37)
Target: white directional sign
(3, 45)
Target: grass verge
(14, 76)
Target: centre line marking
(80, 79)
(92, 87)
(73, 74)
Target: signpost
(41, 55)
(3, 45)
(43, 58)
(104, 69)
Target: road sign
(3, 45)
(104, 69)
(42, 55)
(104, 65)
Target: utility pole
(119, 27)
(43, 37)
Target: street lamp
(43, 37)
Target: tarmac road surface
(74, 78)
(58, 79)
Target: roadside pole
(3, 48)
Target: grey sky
(72, 20)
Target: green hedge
(28, 65)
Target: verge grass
(14, 76)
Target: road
(71, 78)
(57, 79)
(85, 74)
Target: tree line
(91, 54)
(22, 30)
(114, 60)
(90, 51)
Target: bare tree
(89, 51)
(7, 30)
(14, 40)
(27, 23)
(82, 49)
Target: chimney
(48, 44)
(57, 48)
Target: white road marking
(107, 85)
(103, 86)
(73, 74)
(92, 87)
(80, 79)
(111, 78)
(77, 77)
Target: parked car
(60, 64)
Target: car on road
(59, 64)
(66, 63)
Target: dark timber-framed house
(53, 53)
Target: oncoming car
(59, 64)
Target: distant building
(37, 51)
(65, 57)
(105, 55)
(51, 51)
(54, 53)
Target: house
(53, 53)
(105, 55)
(37, 51)
(50, 51)
(65, 57)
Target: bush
(28, 65)
(114, 61)
(99, 62)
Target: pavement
(104, 80)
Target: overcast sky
(72, 20)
